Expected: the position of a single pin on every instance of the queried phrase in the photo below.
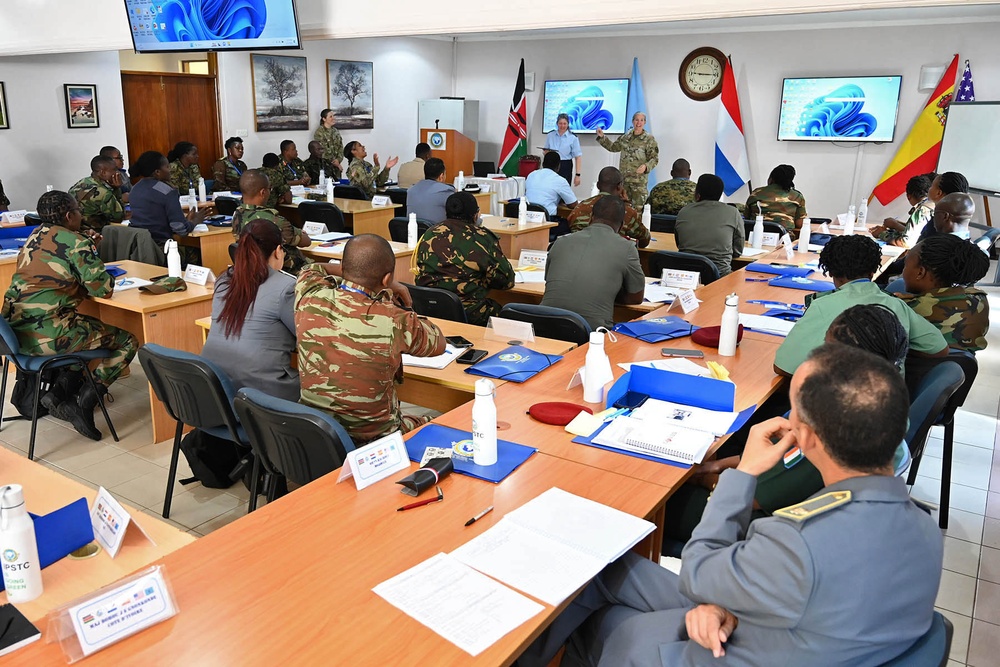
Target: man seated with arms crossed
(710, 228)
(351, 338)
(99, 196)
(413, 171)
(317, 163)
(256, 192)
(426, 197)
(818, 583)
(547, 188)
(609, 182)
(591, 270)
(669, 197)
(851, 261)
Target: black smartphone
(471, 356)
(631, 400)
(458, 341)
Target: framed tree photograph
(280, 93)
(349, 89)
(4, 119)
(81, 105)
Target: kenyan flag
(515, 140)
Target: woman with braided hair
(779, 201)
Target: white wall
(39, 149)
(130, 61)
(685, 128)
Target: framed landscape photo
(349, 89)
(81, 105)
(280, 93)
(4, 119)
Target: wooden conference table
(402, 252)
(360, 217)
(514, 238)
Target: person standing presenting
(329, 138)
(639, 157)
(567, 144)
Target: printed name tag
(13, 217)
(535, 216)
(681, 279)
(375, 461)
(111, 522)
(786, 241)
(299, 190)
(688, 301)
(199, 275)
(503, 329)
(313, 228)
(532, 258)
(381, 200)
(770, 238)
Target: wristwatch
(577, 173)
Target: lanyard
(238, 172)
(294, 173)
(348, 288)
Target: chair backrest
(435, 302)
(661, 222)
(917, 369)
(325, 212)
(683, 261)
(930, 400)
(226, 205)
(510, 208)
(483, 169)
(291, 439)
(399, 228)
(349, 192)
(194, 391)
(931, 649)
(8, 340)
(770, 227)
(397, 196)
(986, 241)
(232, 251)
(550, 322)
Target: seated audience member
(184, 170)
(256, 192)
(4, 202)
(778, 201)
(710, 228)
(281, 192)
(116, 155)
(56, 270)
(329, 138)
(253, 322)
(317, 163)
(547, 188)
(99, 196)
(427, 197)
(591, 270)
(851, 261)
(940, 274)
(943, 185)
(904, 233)
(363, 174)
(460, 256)
(669, 197)
(351, 338)
(609, 182)
(413, 171)
(155, 203)
(292, 167)
(228, 169)
(758, 595)
(953, 213)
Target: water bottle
(594, 191)
(173, 260)
(863, 214)
(411, 231)
(460, 181)
(322, 178)
(647, 218)
(730, 326)
(50, 188)
(22, 573)
(484, 425)
(757, 237)
(804, 235)
(522, 211)
(849, 225)
(596, 370)
(329, 191)
(202, 193)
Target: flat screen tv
(589, 103)
(844, 108)
(212, 25)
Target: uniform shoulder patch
(814, 506)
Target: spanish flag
(918, 154)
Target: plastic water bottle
(173, 260)
(484, 424)
(804, 235)
(22, 573)
(730, 326)
(329, 191)
(594, 191)
(647, 217)
(596, 370)
(849, 225)
(757, 237)
(322, 178)
(202, 193)
(863, 214)
(460, 181)
(411, 231)
(522, 211)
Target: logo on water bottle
(10, 555)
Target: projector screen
(212, 25)
(971, 145)
(589, 103)
(849, 108)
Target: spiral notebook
(656, 437)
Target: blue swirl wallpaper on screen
(172, 25)
(590, 104)
(839, 109)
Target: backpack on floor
(214, 461)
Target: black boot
(87, 398)
(81, 419)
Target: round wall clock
(701, 71)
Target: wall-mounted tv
(589, 103)
(845, 108)
(212, 25)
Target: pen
(616, 413)
(479, 516)
(421, 503)
(756, 280)
(777, 304)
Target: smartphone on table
(471, 356)
(458, 341)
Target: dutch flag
(731, 163)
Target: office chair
(226, 205)
(683, 261)
(931, 649)
(549, 322)
(397, 196)
(661, 222)
(399, 228)
(349, 192)
(510, 208)
(435, 302)
(324, 212)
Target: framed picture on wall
(280, 93)
(349, 89)
(81, 105)
(4, 119)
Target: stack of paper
(529, 274)
(331, 236)
(440, 361)
(656, 293)
(676, 365)
(764, 324)
(753, 252)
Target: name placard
(786, 241)
(532, 258)
(688, 301)
(381, 200)
(221, 193)
(299, 190)
(681, 279)
(375, 461)
(503, 329)
(13, 217)
(769, 238)
(111, 522)
(313, 229)
(199, 275)
(534, 216)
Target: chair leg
(946, 456)
(254, 478)
(3, 389)
(100, 401)
(34, 415)
(172, 473)
(272, 488)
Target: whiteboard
(971, 145)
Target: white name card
(532, 258)
(681, 279)
(375, 461)
(688, 301)
(111, 521)
(299, 190)
(535, 216)
(13, 217)
(770, 238)
(786, 241)
(221, 193)
(199, 275)
(313, 229)
(503, 329)
(381, 200)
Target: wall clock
(701, 71)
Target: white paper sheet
(658, 438)
(675, 365)
(687, 416)
(655, 293)
(772, 325)
(450, 354)
(130, 282)
(331, 236)
(529, 276)
(753, 252)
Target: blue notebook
(510, 455)
(514, 364)
(115, 271)
(780, 269)
(62, 532)
(807, 284)
(657, 329)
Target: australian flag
(966, 91)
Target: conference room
(416, 57)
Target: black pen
(479, 516)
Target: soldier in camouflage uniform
(281, 192)
(639, 157)
(351, 338)
(317, 162)
(4, 202)
(609, 182)
(256, 192)
(56, 270)
(184, 170)
(361, 173)
(227, 170)
(460, 256)
(778, 201)
(100, 201)
(292, 167)
(329, 138)
(669, 197)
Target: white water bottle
(522, 211)
(757, 237)
(202, 192)
(804, 235)
(329, 190)
(863, 214)
(484, 425)
(596, 370)
(22, 573)
(594, 191)
(849, 225)
(460, 181)
(647, 217)
(173, 260)
(322, 178)
(411, 231)
(730, 326)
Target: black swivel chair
(510, 208)
(399, 228)
(349, 192)
(226, 205)
(435, 302)
(661, 222)
(770, 227)
(683, 261)
(397, 196)
(549, 322)
(324, 212)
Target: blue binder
(62, 532)
(514, 364)
(115, 271)
(780, 270)
(510, 455)
(657, 329)
(807, 284)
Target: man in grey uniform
(819, 583)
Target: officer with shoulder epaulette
(640, 153)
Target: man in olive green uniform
(256, 192)
(361, 173)
(4, 202)
(292, 167)
(639, 157)
(351, 338)
(329, 138)
(281, 192)
(609, 182)
(669, 197)
(460, 256)
(99, 198)
(56, 270)
(317, 162)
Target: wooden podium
(457, 150)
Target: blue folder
(657, 329)
(780, 270)
(62, 532)
(807, 284)
(789, 314)
(514, 364)
(115, 271)
(510, 455)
